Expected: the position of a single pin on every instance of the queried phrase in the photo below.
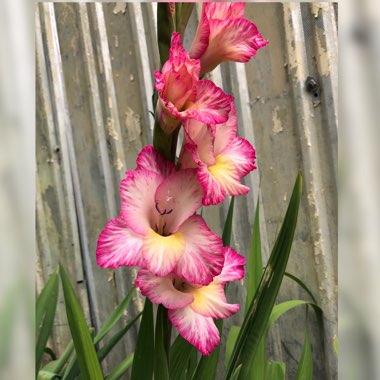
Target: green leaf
(305, 366)
(206, 368)
(50, 352)
(193, 362)
(120, 370)
(161, 370)
(165, 28)
(72, 369)
(45, 311)
(255, 261)
(259, 311)
(56, 366)
(231, 340)
(105, 350)
(180, 353)
(275, 371)
(143, 362)
(114, 317)
(302, 285)
(254, 274)
(46, 375)
(84, 347)
(227, 230)
(283, 307)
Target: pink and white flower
(183, 96)
(221, 157)
(223, 34)
(157, 228)
(193, 308)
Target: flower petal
(160, 290)
(203, 257)
(161, 253)
(175, 85)
(150, 159)
(200, 331)
(211, 105)
(211, 301)
(219, 180)
(226, 132)
(231, 40)
(241, 153)
(223, 10)
(118, 246)
(233, 267)
(137, 199)
(186, 157)
(178, 197)
(202, 136)
(200, 42)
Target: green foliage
(255, 261)
(120, 370)
(305, 367)
(84, 346)
(161, 370)
(114, 317)
(245, 346)
(275, 371)
(180, 356)
(143, 362)
(231, 341)
(45, 311)
(261, 306)
(254, 275)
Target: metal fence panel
(95, 64)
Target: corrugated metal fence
(95, 64)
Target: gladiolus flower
(223, 34)
(183, 96)
(221, 157)
(193, 307)
(157, 228)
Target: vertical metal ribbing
(326, 47)
(112, 109)
(323, 253)
(96, 110)
(145, 76)
(67, 146)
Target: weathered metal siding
(95, 66)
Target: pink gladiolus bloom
(224, 34)
(183, 96)
(157, 228)
(193, 307)
(221, 157)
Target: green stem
(165, 144)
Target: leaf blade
(84, 347)
(46, 307)
(180, 353)
(121, 368)
(305, 367)
(161, 370)
(143, 362)
(261, 306)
